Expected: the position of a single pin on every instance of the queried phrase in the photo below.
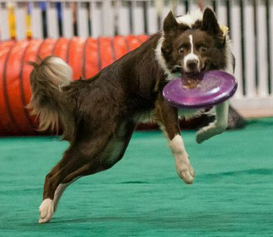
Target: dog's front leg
(167, 118)
(218, 126)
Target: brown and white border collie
(98, 116)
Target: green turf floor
(142, 196)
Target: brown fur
(207, 35)
(99, 115)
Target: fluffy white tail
(48, 101)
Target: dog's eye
(181, 50)
(203, 49)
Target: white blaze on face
(191, 56)
(191, 41)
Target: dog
(98, 116)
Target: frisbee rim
(217, 99)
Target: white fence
(250, 23)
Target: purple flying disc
(200, 91)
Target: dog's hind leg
(112, 153)
(218, 126)
(75, 160)
(81, 160)
(52, 182)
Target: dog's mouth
(180, 70)
(192, 79)
(194, 72)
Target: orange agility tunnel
(86, 56)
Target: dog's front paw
(46, 211)
(185, 172)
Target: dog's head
(193, 43)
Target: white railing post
(52, 20)
(67, 19)
(36, 21)
(20, 19)
(249, 48)
(262, 49)
(138, 17)
(271, 42)
(82, 19)
(193, 5)
(4, 27)
(166, 7)
(236, 37)
(180, 8)
(123, 18)
(96, 19)
(152, 18)
(221, 12)
(108, 18)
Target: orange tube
(30, 54)
(13, 89)
(120, 46)
(106, 52)
(75, 56)
(6, 124)
(90, 58)
(60, 48)
(86, 56)
(133, 42)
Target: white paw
(185, 172)
(202, 135)
(208, 132)
(46, 210)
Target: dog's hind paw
(46, 210)
(207, 132)
(201, 136)
(186, 172)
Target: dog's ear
(210, 23)
(170, 24)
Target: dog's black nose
(192, 64)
